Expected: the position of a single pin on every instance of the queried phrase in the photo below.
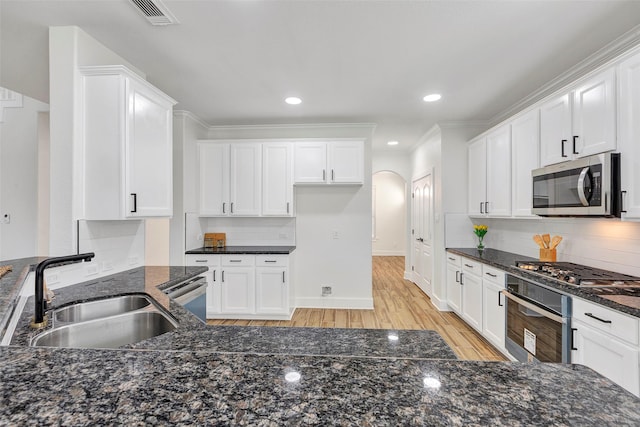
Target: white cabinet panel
(245, 190)
(498, 201)
(525, 142)
(237, 290)
(493, 313)
(329, 162)
(594, 115)
(272, 290)
(277, 185)
(610, 357)
(127, 138)
(471, 294)
(454, 288)
(477, 154)
(214, 179)
(629, 136)
(555, 130)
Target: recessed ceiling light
(432, 97)
(392, 143)
(293, 100)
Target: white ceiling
(234, 61)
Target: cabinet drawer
(453, 259)
(238, 260)
(471, 267)
(272, 260)
(202, 260)
(493, 275)
(602, 318)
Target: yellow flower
(480, 230)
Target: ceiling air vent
(155, 12)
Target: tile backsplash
(605, 243)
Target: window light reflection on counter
(292, 376)
(393, 336)
(431, 382)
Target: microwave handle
(581, 195)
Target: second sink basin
(108, 332)
(97, 309)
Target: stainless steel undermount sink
(91, 310)
(106, 323)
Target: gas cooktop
(578, 275)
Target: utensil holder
(548, 255)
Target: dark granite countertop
(247, 250)
(48, 386)
(233, 375)
(506, 261)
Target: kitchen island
(206, 375)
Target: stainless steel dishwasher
(192, 295)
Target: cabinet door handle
(623, 194)
(235, 260)
(597, 318)
(499, 301)
(201, 260)
(461, 275)
(457, 276)
(135, 202)
(452, 259)
(222, 276)
(491, 274)
(224, 207)
(468, 266)
(214, 275)
(283, 281)
(333, 175)
(573, 347)
(562, 145)
(270, 260)
(287, 207)
(231, 207)
(486, 207)
(574, 144)
(481, 207)
(324, 175)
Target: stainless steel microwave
(589, 186)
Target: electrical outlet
(326, 290)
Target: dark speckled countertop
(248, 250)
(232, 375)
(506, 261)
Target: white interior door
(422, 218)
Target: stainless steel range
(578, 275)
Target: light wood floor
(398, 304)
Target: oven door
(535, 333)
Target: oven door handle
(534, 307)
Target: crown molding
(608, 53)
(189, 115)
(366, 126)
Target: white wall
(390, 207)
(343, 263)
(20, 135)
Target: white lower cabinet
(606, 341)
(493, 309)
(246, 286)
(454, 287)
(472, 293)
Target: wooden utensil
(546, 239)
(555, 241)
(538, 239)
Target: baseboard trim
(328, 302)
(408, 275)
(439, 303)
(387, 253)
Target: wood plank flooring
(398, 304)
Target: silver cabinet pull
(222, 276)
(597, 318)
(270, 260)
(201, 260)
(333, 175)
(324, 175)
(486, 207)
(457, 276)
(224, 206)
(283, 281)
(235, 260)
(481, 207)
(461, 275)
(231, 207)
(287, 207)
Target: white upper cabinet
(490, 174)
(277, 185)
(230, 179)
(555, 130)
(594, 115)
(330, 162)
(214, 178)
(245, 189)
(579, 123)
(127, 138)
(629, 136)
(525, 143)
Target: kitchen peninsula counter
(243, 250)
(232, 375)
